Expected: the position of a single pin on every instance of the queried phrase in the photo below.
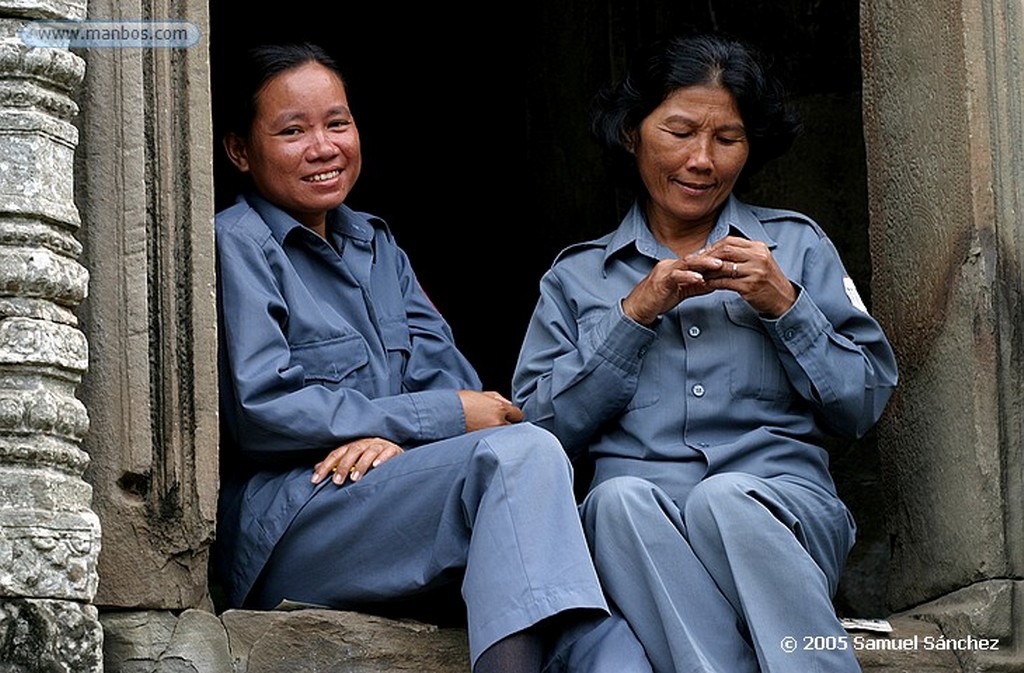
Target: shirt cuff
(626, 341)
(797, 329)
(439, 414)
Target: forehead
(303, 88)
(699, 102)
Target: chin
(326, 203)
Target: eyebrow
(288, 117)
(676, 118)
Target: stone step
(300, 641)
(913, 646)
(328, 641)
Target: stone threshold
(244, 641)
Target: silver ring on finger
(734, 265)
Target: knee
(616, 502)
(526, 446)
(719, 499)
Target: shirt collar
(736, 217)
(739, 217)
(342, 220)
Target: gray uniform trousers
(494, 507)
(729, 580)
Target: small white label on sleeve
(851, 292)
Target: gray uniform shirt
(712, 386)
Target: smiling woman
(302, 151)
(699, 355)
(689, 152)
(362, 464)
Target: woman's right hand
(487, 410)
(353, 460)
(668, 283)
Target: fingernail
(355, 475)
(315, 479)
(376, 463)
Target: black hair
(259, 65)
(674, 63)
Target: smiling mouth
(322, 177)
(694, 186)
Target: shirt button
(789, 334)
(698, 390)
(694, 331)
(642, 351)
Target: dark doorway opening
(476, 143)
(441, 113)
(477, 153)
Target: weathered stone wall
(49, 537)
(145, 191)
(943, 124)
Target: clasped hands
(732, 263)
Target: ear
(238, 151)
(629, 140)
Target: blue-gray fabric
(712, 388)
(323, 342)
(721, 582)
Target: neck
(681, 238)
(317, 223)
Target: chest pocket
(331, 361)
(755, 369)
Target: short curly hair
(691, 60)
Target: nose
(700, 157)
(320, 145)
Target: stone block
(148, 641)
(44, 636)
(985, 618)
(328, 640)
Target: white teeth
(320, 177)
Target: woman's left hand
(749, 269)
(353, 460)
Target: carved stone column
(49, 537)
